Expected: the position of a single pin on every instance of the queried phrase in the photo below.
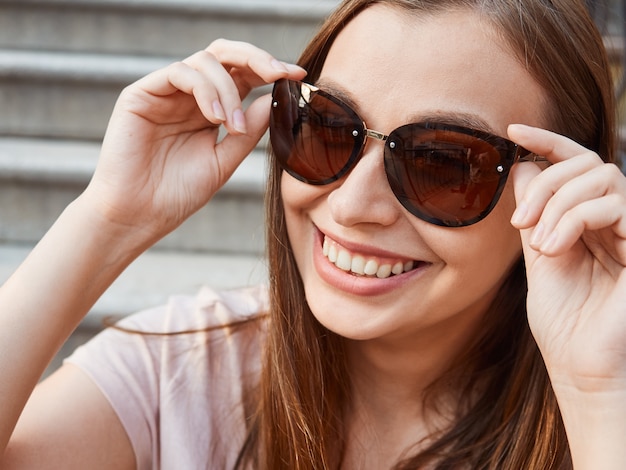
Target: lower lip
(357, 285)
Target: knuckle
(612, 177)
(177, 66)
(591, 158)
(617, 200)
(217, 43)
(177, 69)
(199, 56)
(126, 92)
(613, 171)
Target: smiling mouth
(364, 265)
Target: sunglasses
(444, 174)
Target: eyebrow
(443, 117)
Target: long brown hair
(512, 419)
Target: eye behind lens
(312, 133)
(445, 176)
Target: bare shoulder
(68, 423)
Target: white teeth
(371, 267)
(332, 253)
(344, 261)
(384, 271)
(398, 268)
(357, 264)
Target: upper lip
(366, 250)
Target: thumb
(235, 147)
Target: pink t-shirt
(180, 397)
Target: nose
(364, 195)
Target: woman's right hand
(161, 157)
(161, 161)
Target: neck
(389, 410)
(399, 368)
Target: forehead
(397, 66)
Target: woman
(397, 331)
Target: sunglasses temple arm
(526, 156)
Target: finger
(571, 160)
(218, 91)
(234, 148)
(180, 77)
(553, 146)
(592, 215)
(254, 66)
(522, 175)
(538, 193)
(234, 68)
(217, 94)
(599, 181)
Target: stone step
(64, 62)
(64, 95)
(155, 276)
(38, 178)
(158, 27)
(65, 87)
(62, 66)
(67, 95)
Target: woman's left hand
(572, 218)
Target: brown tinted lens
(443, 176)
(312, 135)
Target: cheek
(298, 200)
(295, 201)
(478, 257)
(291, 203)
(289, 190)
(298, 196)
(495, 237)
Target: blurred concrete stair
(62, 65)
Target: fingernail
(239, 121)
(520, 213)
(295, 68)
(218, 111)
(278, 65)
(537, 236)
(519, 130)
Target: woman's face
(397, 68)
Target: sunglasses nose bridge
(370, 133)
